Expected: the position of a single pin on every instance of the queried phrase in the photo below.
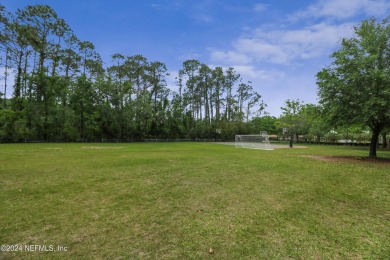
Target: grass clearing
(178, 200)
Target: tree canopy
(62, 91)
(355, 89)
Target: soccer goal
(260, 141)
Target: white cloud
(262, 50)
(282, 59)
(252, 73)
(267, 57)
(285, 46)
(343, 9)
(230, 57)
(260, 7)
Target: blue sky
(278, 45)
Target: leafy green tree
(205, 88)
(90, 60)
(190, 71)
(218, 91)
(355, 89)
(70, 57)
(119, 93)
(83, 100)
(314, 125)
(40, 21)
(156, 73)
(136, 72)
(247, 100)
(61, 31)
(230, 79)
(291, 118)
(3, 23)
(4, 46)
(35, 28)
(63, 93)
(264, 123)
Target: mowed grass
(178, 200)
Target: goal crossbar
(253, 141)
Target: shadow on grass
(350, 159)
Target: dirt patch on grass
(349, 159)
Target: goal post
(260, 141)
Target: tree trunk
(46, 123)
(374, 141)
(247, 112)
(82, 135)
(25, 78)
(17, 106)
(18, 85)
(5, 78)
(217, 103)
(207, 105)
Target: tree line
(62, 92)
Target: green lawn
(178, 200)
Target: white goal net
(260, 141)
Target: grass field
(179, 200)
